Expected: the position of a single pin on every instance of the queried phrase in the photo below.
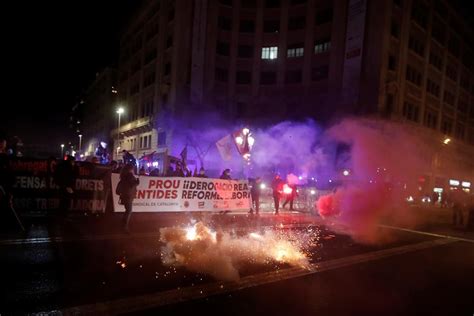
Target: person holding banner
(127, 189)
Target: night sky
(54, 50)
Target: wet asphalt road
(58, 274)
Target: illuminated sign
(466, 184)
(453, 182)
(438, 190)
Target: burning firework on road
(220, 254)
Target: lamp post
(62, 151)
(80, 142)
(119, 111)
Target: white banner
(160, 194)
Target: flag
(184, 155)
(243, 144)
(225, 145)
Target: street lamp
(62, 150)
(80, 142)
(119, 111)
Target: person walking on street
(65, 178)
(277, 187)
(127, 189)
(291, 196)
(255, 194)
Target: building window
(296, 23)
(432, 88)
(224, 23)
(243, 77)
(171, 15)
(296, 50)
(323, 16)
(453, 46)
(392, 63)
(135, 67)
(134, 89)
(465, 81)
(459, 131)
(222, 74)
(271, 26)
(247, 26)
(451, 72)
(389, 100)
(162, 139)
(446, 126)
(438, 30)
(169, 42)
(293, 76)
(245, 51)
(222, 48)
(147, 109)
(436, 61)
(395, 29)
(322, 46)
(270, 52)
(319, 73)
(462, 106)
(152, 30)
(149, 79)
(413, 75)
(410, 111)
(272, 3)
(431, 119)
(167, 69)
(267, 77)
(416, 46)
(226, 2)
(419, 14)
(449, 98)
(150, 55)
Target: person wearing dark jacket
(201, 174)
(291, 196)
(65, 177)
(127, 189)
(226, 175)
(255, 194)
(179, 171)
(277, 187)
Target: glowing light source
(263, 186)
(191, 233)
(438, 190)
(155, 164)
(313, 192)
(287, 189)
(245, 131)
(330, 180)
(447, 140)
(345, 173)
(120, 110)
(239, 140)
(410, 199)
(453, 182)
(300, 178)
(466, 184)
(251, 141)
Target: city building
(259, 61)
(97, 105)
